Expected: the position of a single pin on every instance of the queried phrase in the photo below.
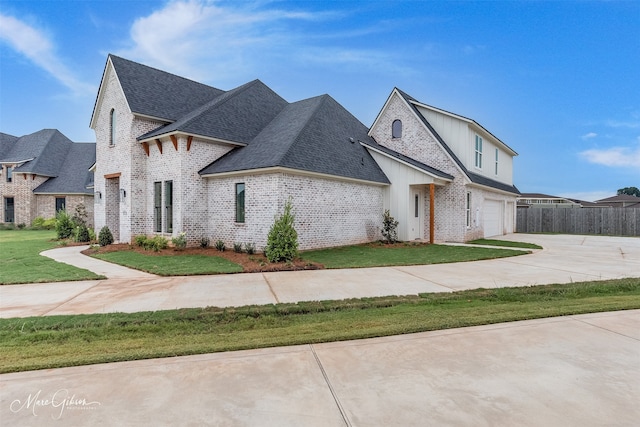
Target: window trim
(396, 129)
(157, 206)
(9, 174)
(240, 205)
(468, 209)
(168, 206)
(478, 152)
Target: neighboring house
(42, 173)
(620, 201)
(538, 200)
(174, 155)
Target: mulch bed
(250, 263)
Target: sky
(557, 81)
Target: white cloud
(38, 48)
(204, 39)
(589, 135)
(614, 156)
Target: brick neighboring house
(44, 172)
(174, 155)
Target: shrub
(157, 243)
(250, 248)
(105, 237)
(37, 223)
(92, 235)
(82, 234)
(389, 227)
(49, 224)
(140, 240)
(180, 242)
(22, 225)
(64, 225)
(220, 245)
(282, 241)
(80, 215)
(204, 242)
(237, 248)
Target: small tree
(389, 227)
(80, 216)
(282, 241)
(105, 237)
(631, 191)
(64, 225)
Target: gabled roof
(74, 176)
(314, 135)
(6, 143)
(40, 153)
(619, 199)
(155, 93)
(237, 115)
(473, 177)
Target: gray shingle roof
(311, 135)
(237, 115)
(400, 156)
(156, 93)
(74, 175)
(6, 143)
(475, 178)
(46, 150)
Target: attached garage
(492, 224)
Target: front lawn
(379, 255)
(21, 262)
(57, 341)
(171, 265)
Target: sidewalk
(564, 259)
(564, 371)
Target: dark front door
(8, 210)
(60, 204)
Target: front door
(415, 214)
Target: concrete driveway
(564, 259)
(567, 371)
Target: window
(416, 203)
(496, 161)
(8, 209)
(112, 127)
(9, 173)
(168, 205)
(157, 207)
(396, 129)
(468, 209)
(60, 204)
(240, 202)
(478, 152)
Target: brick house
(42, 173)
(174, 155)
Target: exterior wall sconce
(98, 195)
(123, 193)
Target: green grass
(378, 255)
(21, 262)
(505, 243)
(57, 341)
(171, 265)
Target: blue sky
(557, 81)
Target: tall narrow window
(396, 129)
(157, 207)
(240, 202)
(9, 209)
(468, 209)
(60, 204)
(112, 127)
(9, 173)
(496, 161)
(416, 206)
(478, 152)
(168, 205)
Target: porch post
(431, 212)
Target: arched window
(112, 125)
(396, 129)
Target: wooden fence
(604, 221)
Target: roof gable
(6, 143)
(42, 152)
(314, 135)
(74, 176)
(237, 115)
(155, 93)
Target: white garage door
(492, 218)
